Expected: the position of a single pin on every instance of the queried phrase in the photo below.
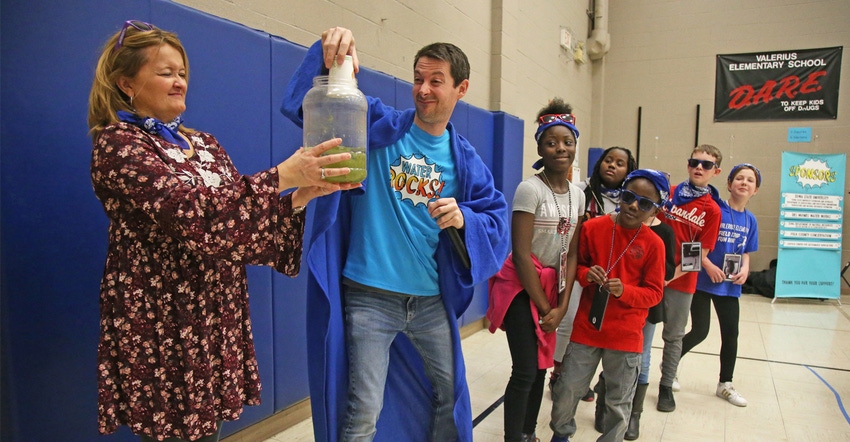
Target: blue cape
(406, 414)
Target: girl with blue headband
(529, 296)
(720, 280)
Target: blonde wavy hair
(106, 98)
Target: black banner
(783, 85)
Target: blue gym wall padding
(594, 154)
(53, 229)
(289, 299)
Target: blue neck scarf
(167, 131)
(687, 192)
(614, 194)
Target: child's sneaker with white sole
(726, 391)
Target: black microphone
(459, 246)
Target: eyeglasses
(628, 197)
(551, 118)
(139, 25)
(706, 164)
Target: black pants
(524, 392)
(728, 312)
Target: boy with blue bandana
(695, 219)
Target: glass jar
(335, 108)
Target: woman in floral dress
(176, 355)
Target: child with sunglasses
(723, 275)
(529, 296)
(602, 196)
(621, 267)
(656, 315)
(695, 219)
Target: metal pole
(637, 146)
(696, 131)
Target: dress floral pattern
(176, 353)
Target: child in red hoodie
(621, 267)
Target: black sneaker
(666, 403)
(588, 397)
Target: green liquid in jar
(357, 164)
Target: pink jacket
(505, 285)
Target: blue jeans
(372, 322)
(648, 334)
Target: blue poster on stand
(810, 215)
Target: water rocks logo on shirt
(416, 179)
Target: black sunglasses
(628, 197)
(706, 164)
(139, 25)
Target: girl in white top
(530, 295)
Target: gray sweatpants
(677, 306)
(621, 372)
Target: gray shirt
(534, 196)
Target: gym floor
(793, 367)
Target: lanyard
(611, 252)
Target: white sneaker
(726, 391)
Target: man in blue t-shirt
(382, 263)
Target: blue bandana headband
(658, 179)
(745, 166)
(168, 131)
(542, 128)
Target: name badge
(562, 271)
(691, 256)
(731, 265)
